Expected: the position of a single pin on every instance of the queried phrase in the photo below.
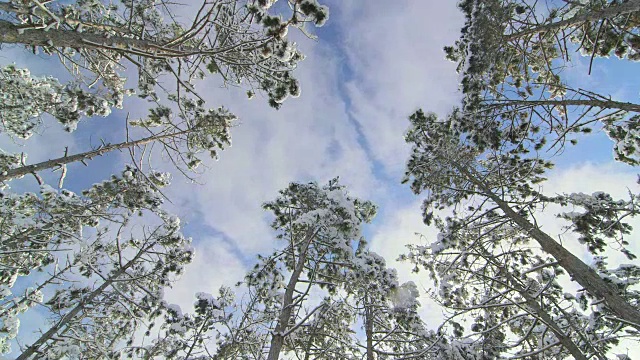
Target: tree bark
(11, 33)
(603, 104)
(578, 270)
(49, 164)
(611, 11)
(368, 318)
(25, 10)
(277, 339)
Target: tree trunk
(602, 104)
(11, 33)
(578, 270)
(611, 11)
(277, 339)
(368, 319)
(28, 10)
(49, 164)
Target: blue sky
(374, 63)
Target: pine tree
(185, 335)
(205, 131)
(329, 333)
(25, 99)
(388, 310)
(129, 277)
(106, 288)
(240, 41)
(34, 227)
(512, 55)
(494, 192)
(511, 295)
(486, 163)
(68, 236)
(319, 225)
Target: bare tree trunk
(368, 319)
(11, 33)
(277, 339)
(578, 270)
(602, 104)
(49, 164)
(29, 10)
(611, 11)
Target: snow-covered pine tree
(203, 131)
(387, 309)
(35, 227)
(319, 224)
(238, 39)
(514, 41)
(185, 335)
(26, 98)
(510, 295)
(485, 159)
(125, 281)
(512, 54)
(490, 190)
(372, 316)
(60, 233)
(329, 333)
(241, 41)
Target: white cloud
(310, 138)
(390, 238)
(395, 52)
(615, 178)
(214, 265)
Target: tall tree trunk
(602, 104)
(578, 270)
(28, 10)
(11, 33)
(49, 164)
(368, 319)
(277, 339)
(609, 12)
